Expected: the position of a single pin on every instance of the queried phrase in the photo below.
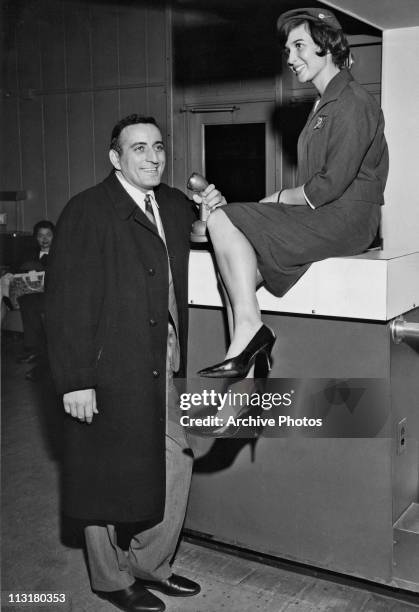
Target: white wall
(400, 102)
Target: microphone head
(197, 182)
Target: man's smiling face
(142, 157)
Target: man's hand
(210, 197)
(81, 404)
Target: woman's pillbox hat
(312, 14)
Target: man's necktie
(149, 209)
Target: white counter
(378, 285)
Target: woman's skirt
(287, 239)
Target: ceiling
(382, 14)
(257, 12)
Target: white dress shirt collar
(139, 196)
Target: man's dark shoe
(175, 586)
(135, 598)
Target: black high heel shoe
(239, 366)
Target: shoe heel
(269, 353)
(263, 359)
(252, 444)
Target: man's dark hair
(44, 224)
(125, 122)
(324, 36)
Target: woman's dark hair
(324, 36)
(44, 224)
(125, 122)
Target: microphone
(197, 183)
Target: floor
(42, 553)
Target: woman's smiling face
(302, 57)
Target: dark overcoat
(106, 320)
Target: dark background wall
(71, 69)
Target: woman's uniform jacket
(342, 150)
(107, 323)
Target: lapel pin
(320, 122)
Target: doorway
(234, 148)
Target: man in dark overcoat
(117, 329)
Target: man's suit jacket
(34, 262)
(106, 318)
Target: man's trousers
(32, 309)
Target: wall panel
(104, 47)
(156, 105)
(10, 178)
(28, 56)
(132, 46)
(105, 116)
(10, 157)
(156, 27)
(157, 108)
(78, 46)
(146, 101)
(52, 33)
(367, 65)
(81, 143)
(56, 154)
(133, 100)
(10, 166)
(31, 124)
(9, 73)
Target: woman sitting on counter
(335, 209)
